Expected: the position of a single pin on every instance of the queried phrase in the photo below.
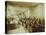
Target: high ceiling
(21, 4)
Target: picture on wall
(24, 17)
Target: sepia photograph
(24, 17)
